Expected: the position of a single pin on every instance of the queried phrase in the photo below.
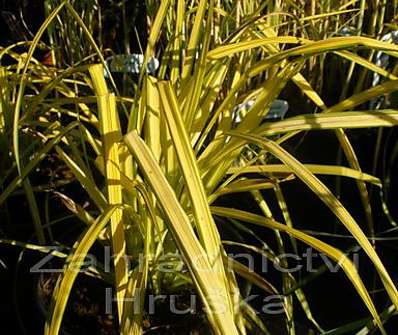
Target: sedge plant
(153, 164)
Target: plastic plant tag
(348, 31)
(238, 112)
(384, 61)
(277, 111)
(131, 63)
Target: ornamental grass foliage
(146, 131)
